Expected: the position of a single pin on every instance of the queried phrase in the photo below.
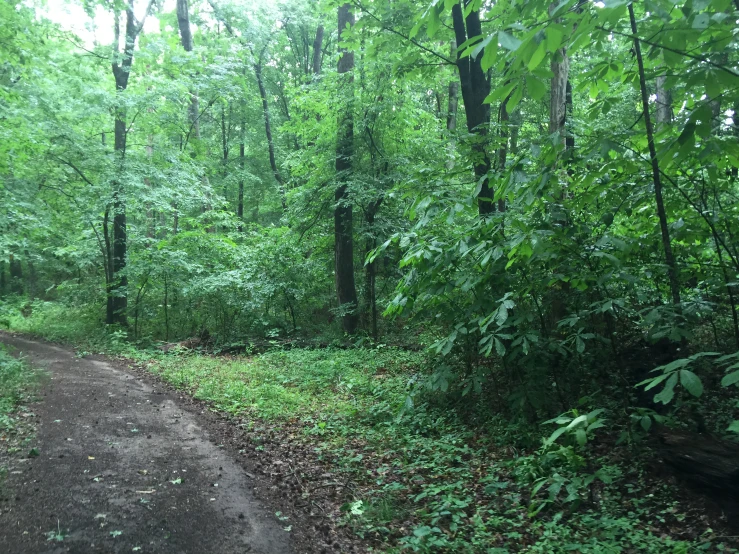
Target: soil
(121, 463)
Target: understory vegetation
(480, 257)
(416, 471)
(17, 384)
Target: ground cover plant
(17, 385)
(480, 256)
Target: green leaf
(646, 422)
(537, 57)
(734, 427)
(668, 393)
(701, 21)
(508, 41)
(554, 37)
(730, 379)
(691, 382)
(535, 88)
(515, 98)
(581, 437)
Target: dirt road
(122, 468)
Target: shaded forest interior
(502, 235)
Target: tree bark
(451, 112)
(183, 22)
(317, 45)
(268, 132)
(121, 66)
(663, 113)
(343, 232)
(656, 175)
(16, 275)
(475, 88)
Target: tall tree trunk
(663, 113)
(16, 275)
(242, 163)
(183, 21)
(317, 45)
(3, 281)
(121, 66)
(451, 112)
(343, 232)
(666, 244)
(560, 67)
(475, 88)
(268, 132)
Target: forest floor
(309, 454)
(120, 464)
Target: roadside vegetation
(415, 472)
(17, 426)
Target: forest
(478, 259)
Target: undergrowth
(17, 382)
(427, 478)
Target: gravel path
(123, 468)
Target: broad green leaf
(508, 41)
(535, 88)
(537, 57)
(691, 382)
(668, 393)
(730, 379)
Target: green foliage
(16, 380)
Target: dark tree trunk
(371, 267)
(3, 281)
(183, 21)
(343, 232)
(656, 175)
(475, 88)
(121, 66)
(268, 132)
(16, 275)
(317, 45)
(451, 112)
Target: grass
(424, 478)
(17, 382)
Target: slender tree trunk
(666, 244)
(475, 88)
(343, 232)
(451, 112)
(242, 163)
(371, 268)
(119, 290)
(268, 132)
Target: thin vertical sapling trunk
(258, 64)
(656, 175)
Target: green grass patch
(17, 384)
(427, 481)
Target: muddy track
(122, 466)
